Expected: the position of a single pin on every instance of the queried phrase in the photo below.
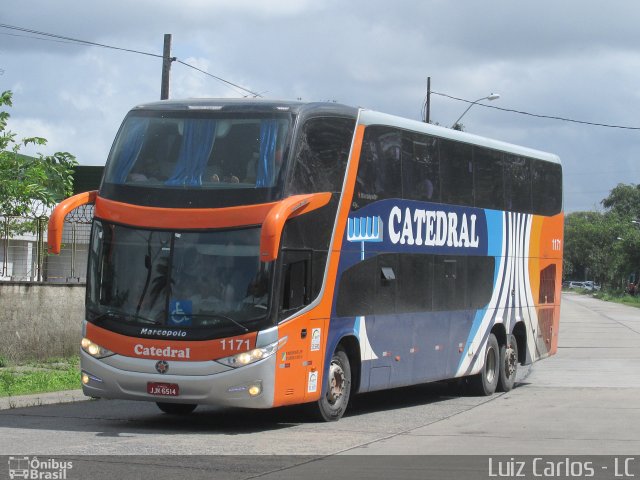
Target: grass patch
(615, 297)
(37, 377)
(624, 298)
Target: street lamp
(493, 96)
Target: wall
(39, 321)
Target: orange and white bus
(258, 253)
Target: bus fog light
(87, 378)
(255, 390)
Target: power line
(76, 40)
(64, 39)
(33, 37)
(218, 78)
(552, 117)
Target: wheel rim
(336, 383)
(510, 361)
(491, 365)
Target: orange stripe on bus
(298, 363)
(181, 218)
(341, 225)
(177, 350)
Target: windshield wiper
(219, 315)
(125, 316)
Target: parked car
(590, 285)
(577, 285)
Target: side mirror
(279, 214)
(56, 221)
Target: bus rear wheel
(508, 364)
(176, 408)
(333, 403)
(486, 382)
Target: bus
(257, 254)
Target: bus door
(300, 360)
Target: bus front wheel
(176, 408)
(485, 382)
(333, 403)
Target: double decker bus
(259, 254)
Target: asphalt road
(583, 401)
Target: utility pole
(166, 67)
(427, 116)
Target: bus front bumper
(230, 387)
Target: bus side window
(379, 171)
(450, 286)
(384, 302)
(546, 187)
(296, 280)
(322, 155)
(420, 159)
(489, 180)
(415, 284)
(517, 185)
(456, 173)
(357, 289)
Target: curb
(38, 399)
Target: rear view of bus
(258, 254)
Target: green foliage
(42, 377)
(618, 298)
(27, 182)
(605, 246)
(624, 200)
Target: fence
(23, 250)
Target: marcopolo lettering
(162, 333)
(434, 228)
(162, 352)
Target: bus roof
(251, 105)
(365, 117)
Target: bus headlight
(95, 350)
(252, 356)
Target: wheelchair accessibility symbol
(180, 313)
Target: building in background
(23, 257)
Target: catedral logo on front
(161, 352)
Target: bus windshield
(212, 282)
(199, 149)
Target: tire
(334, 402)
(508, 365)
(485, 382)
(176, 408)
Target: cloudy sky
(573, 59)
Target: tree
(624, 200)
(605, 246)
(28, 183)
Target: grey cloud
(572, 58)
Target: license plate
(163, 389)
